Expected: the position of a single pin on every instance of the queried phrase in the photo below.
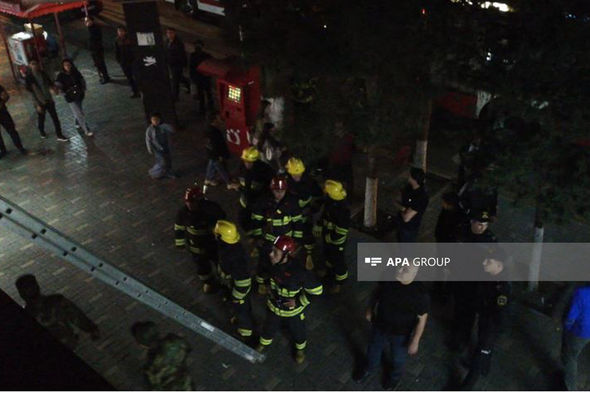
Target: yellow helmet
(250, 154)
(227, 231)
(335, 190)
(295, 166)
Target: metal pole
(62, 42)
(3, 34)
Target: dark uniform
(176, 57)
(202, 82)
(492, 299)
(335, 222)
(269, 220)
(417, 200)
(308, 192)
(197, 227)
(234, 275)
(253, 183)
(165, 368)
(289, 281)
(473, 196)
(7, 123)
(124, 56)
(61, 318)
(97, 52)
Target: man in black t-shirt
(398, 312)
(414, 203)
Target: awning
(34, 9)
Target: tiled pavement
(97, 191)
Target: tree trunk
(420, 156)
(535, 266)
(371, 188)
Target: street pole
(37, 52)
(3, 34)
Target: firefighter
(254, 179)
(307, 192)
(290, 284)
(333, 228)
(273, 215)
(234, 275)
(195, 222)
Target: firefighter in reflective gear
(274, 215)
(290, 284)
(253, 182)
(165, 367)
(333, 228)
(307, 192)
(234, 275)
(195, 223)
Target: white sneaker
(89, 133)
(62, 139)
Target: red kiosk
(238, 91)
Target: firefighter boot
(299, 356)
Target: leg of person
(571, 347)
(2, 145)
(220, 169)
(41, 121)
(158, 170)
(272, 323)
(480, 365)
(168, 165)
(377, 341)
(8, 124)
(175, 80)
(204, 271)
(340, 268)
(102, 67)
(243, 312)
(95, 59)
(263, 268)
(50, 107)
(399, 355)
(128, 71)
(297, 328)
(76, 108)
(210, 171)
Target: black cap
(480, 215)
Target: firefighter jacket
(492, 303)
(290, 281)
(335, 222)
(254, 182)
(233, 270)
(305, 190)
(196, 226)
(271, 219)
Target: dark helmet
(278, 183)
(193, 194)
(286, 244)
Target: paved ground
(97, 191)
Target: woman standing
(73, 86)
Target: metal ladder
(19, 221)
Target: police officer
(333, 228)
(290, 284)
(492, 298)
(273, 215)
(55, 313)
(234, 275)
(165, 367)
(308, 193)
(478, 230)
(254, 179)
(414, 203)
(195, 222)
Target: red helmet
(286, 244)
(278, 183)
(193, 194)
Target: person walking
(157, 140)
(8, 124)
(40, 86)
(96, 49)
(201, 82)
(124, 56)
(73, 86)
(576, 335)
(165, 367)
(414, 203)
(217, 153)
(398, 313)
(176, 57)
(62, 318)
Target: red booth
(238, 90)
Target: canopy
(34, 9)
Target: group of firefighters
(282, 215)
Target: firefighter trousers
(264, 265)
(242, 311)
(204, 269)
(336, 262)
(295, 324)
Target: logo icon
(373, 261)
